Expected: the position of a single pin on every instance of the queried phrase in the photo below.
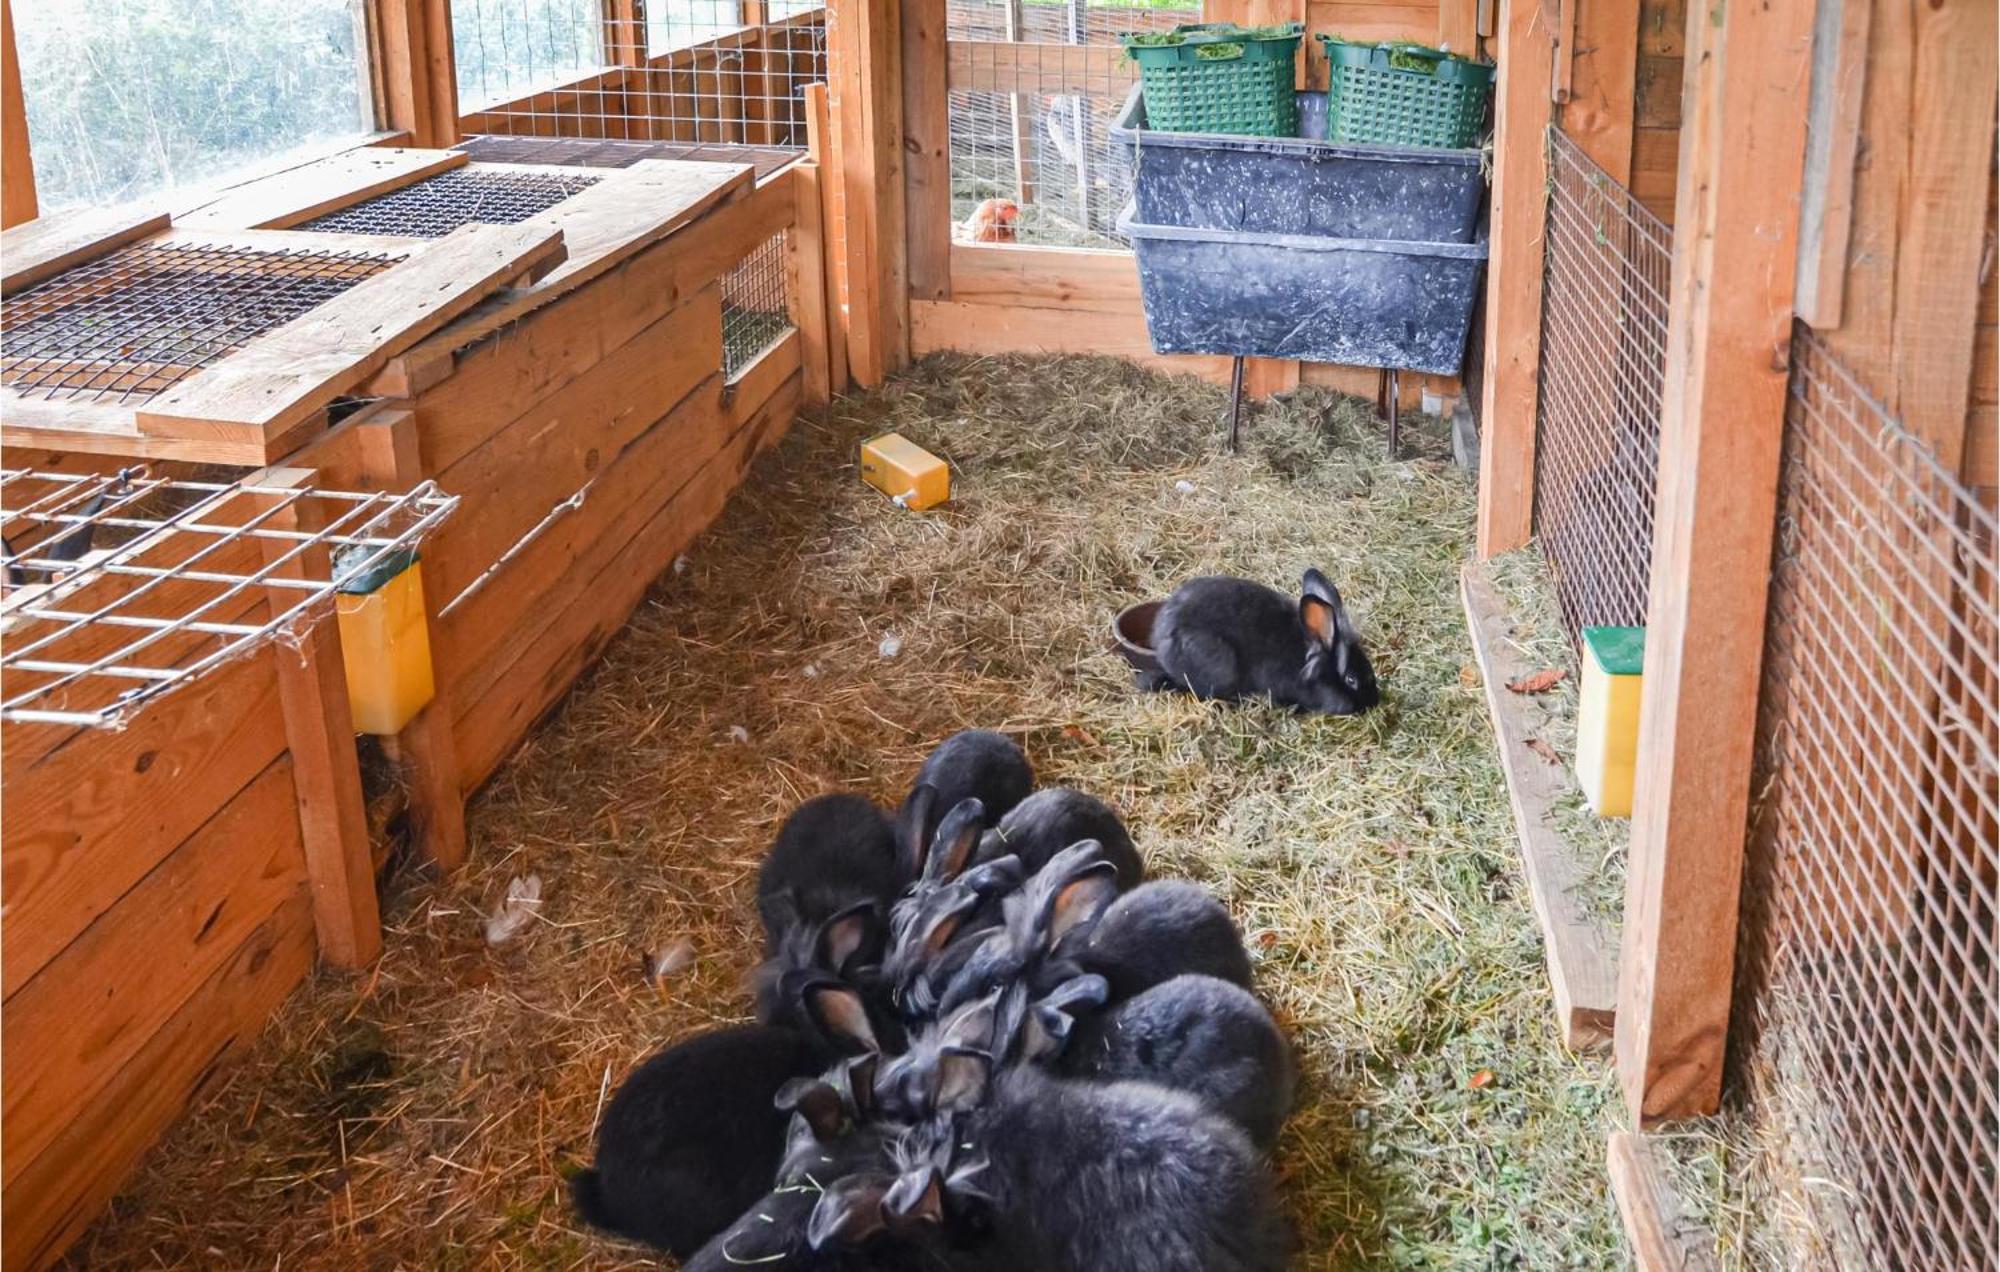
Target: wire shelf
(1608, 263)
(121, 587)
(435, 206)
(134, 323)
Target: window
(675, 24)
(509, 49)
(129, 99)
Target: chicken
(993, 221)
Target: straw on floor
(425, 1115)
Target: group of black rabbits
(985, 1042)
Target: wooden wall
(1656, 112)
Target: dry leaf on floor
(1537, 682)
(1077, 733)
(1468, 675)
(1480, 1079)
(1544, 750)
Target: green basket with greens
(1217, 77)
(1403, 94)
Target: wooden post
(425, 749)
(805, 289)
(1514, 278)
(1020, 114)
(819, 139)
(871, 154)
(319, 732)
(1604, 73)
(417, 71)
(17, 180)
(1458, 26)
(1722, 423)
(927, 149)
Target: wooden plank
(413, 68)
(988, 66)
(71, 1028)
(819, 145)
(87, 820)
(1582, 952)
(286, 199)
(1662, 1235)
(979, 328)
(805, 285)
(1722, 419)
(319, 733)
(1514, 279)
(1458, 27)
(282, 377)
(17, 166)
(545, 668)
(1599, 113)
(42, 248)
(52, 1198)
(559, 445)
(1073, 278)
(872, 177)
(927, 149)
(1833, 137)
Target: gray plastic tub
(1362, 302)
(1302, 185)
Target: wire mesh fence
(131, 324)
(1031, 125)
(1607, 263)
(755, 314)
(685, 72)
(1867, 995)
(435, 206)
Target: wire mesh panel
(681, 72)
(435, 206)
(1868, 992)
(121, 587)
(1040, 137)
(755, 315)
(130, 324)
(1607, 263)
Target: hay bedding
(425, 1115)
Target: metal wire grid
(725, 72)
(1607, 263)
(122, 587)
(578, 152)
(1867, 975)
(1047, 151)
(435, 206)
(755, 315)
(137, 321)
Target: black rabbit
(691, 1138)
(833, 851)
(1200, 1035)
(1161, 930)
(1050, 820)
(1222, 637)
(970, 764)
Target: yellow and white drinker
(385, 643)
(1607, 717)
(905, 471)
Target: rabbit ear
(911, 821)
(1317, 585)
(815, 1101)
(917, 1197)
(957, 836)
(972, 1024)
(1002, 874)
(1045, 1033)
(861, 1083)
(846, 935)
(962, 1074)
(848, 1212)
(1089, 990)
(840, 1014)
(1321, 622)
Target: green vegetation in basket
(1218, 52)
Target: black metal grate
(133, 323)
(1608, 263)
(435, 206)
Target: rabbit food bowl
(1132, 630)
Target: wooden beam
(870, 64)
(1599, 113)
(1510, 385)
(17, 165)
(927, 148)
(41, 249)
(293, 197)
(319, 733)
(416, 70)
(1723, 406)
(1458, 27)
(1662, 1236)
(819, 149)
(988, 66)
(1833, 139)
(805, 285)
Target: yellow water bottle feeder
(905, 471)
(1607, 717)
(385, 642)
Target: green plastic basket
(1221, 78)
(1433, 99)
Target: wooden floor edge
(1582, 952)
(1662, 1236)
